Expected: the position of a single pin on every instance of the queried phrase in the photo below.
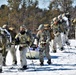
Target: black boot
(62, 48)
(49, 61)
(54, 51)
(0, 70)
(15, 63)
(67, 43)
(4, 62)
(24, 67)
(41, 63)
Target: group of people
(57, 32)
(61, 27)
(45, 34)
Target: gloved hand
(9, 44)
(20, 48)
(17, 41)
(27, 42)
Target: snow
(63, 63)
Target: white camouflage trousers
(57, 41)
(13, 53)
(23, 56)
(64, 38)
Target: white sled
(32, 54)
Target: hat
(23, 26)
(46, 26)
(60, 17)
(41, 26)
(11, 28)
(74, 21)
(63, 14)
(4, 26)
(55, 18)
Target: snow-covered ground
(63, 63)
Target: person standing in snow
(57, 33)
(10, 45)
(24, 41)
(43, 38)
(63, 20)
(13, 49)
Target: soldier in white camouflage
(43, 36)
(66, 27)
(57, 29)
(24, 41)
(13, 49)
(10, 45)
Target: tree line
(27, 12)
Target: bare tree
(64, 5)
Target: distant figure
(57, 33)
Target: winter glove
(27, 42)
(20, 48)
(17, 41)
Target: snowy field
(63, 63)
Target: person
(10, 45)
(57, 33)
(43, 38)
(67, 28)
(2, 47)
(13, 49)
(23, 40)
(62, 23)
(8, 40)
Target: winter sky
(42, 3)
